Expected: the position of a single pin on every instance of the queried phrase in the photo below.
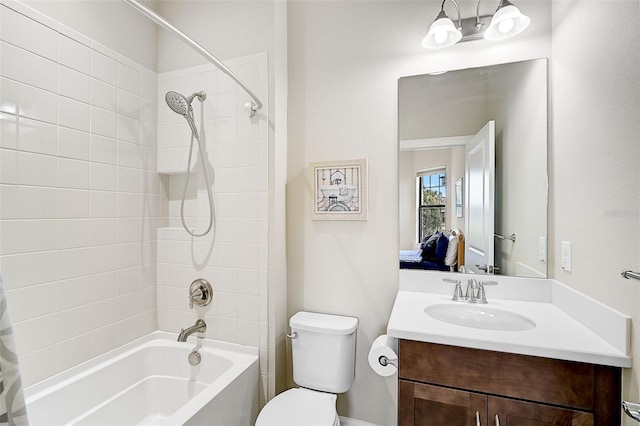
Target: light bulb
(440, 37)
(506, 26)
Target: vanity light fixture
(506, 22)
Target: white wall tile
(73, 143)
(148, 85)
(128, 180)
(72, 203)
(72, 233)
(148, 135)
(148, 111)
(26, 67)
(73, 114)
(223, 155)
(74, 54)
(73, 173)
(74, 84)
(128, 154)
(24, 236)
(103, 232)
(103, 204)
(104, 95)
(128, 129)
(28, 34)
(129, 79)
(9, 166)
(18, 270)
(128, 104)
(129, 205)
(103, 177)
(104, 122)
(103, 259)
(104, 150)
(28, 202)
(129, 230)
(104, 68)
(28, 101)
(129, 255)
(36, 169)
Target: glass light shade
(442, 33)
(507, 22)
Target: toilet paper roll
(384, 346)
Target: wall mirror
(484, 129)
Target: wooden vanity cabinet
(442, 385)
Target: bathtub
(150, 382)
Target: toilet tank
(323, 351)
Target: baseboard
(346, 421)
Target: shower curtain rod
(251, 107)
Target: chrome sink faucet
(472, 287)
(199, 327)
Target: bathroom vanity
(539, 353)
(450, 385)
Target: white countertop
(558, 334)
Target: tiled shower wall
(237, 158)
(80, 199)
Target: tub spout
(199, 327)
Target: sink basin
(480, 316)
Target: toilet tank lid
(323, 323)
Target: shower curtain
(13, 410)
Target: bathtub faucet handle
(200, 293)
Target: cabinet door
(507, 412)
(427, 405)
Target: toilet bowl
(300, 407)
(323, 350)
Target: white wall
(80, 198)
(345, 58)
(594, 155)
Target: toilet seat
(300, 407)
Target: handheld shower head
(181, 105)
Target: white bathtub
(150, 382)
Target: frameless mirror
(473, 159)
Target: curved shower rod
(251, 107)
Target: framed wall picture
(339, 190)
(459, 197)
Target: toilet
(323, 349)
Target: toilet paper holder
(384, 361)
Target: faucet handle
(481, 293)
(200, 293)
(457, 293)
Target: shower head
(181, 105)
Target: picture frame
(459, 197)
(339, 190)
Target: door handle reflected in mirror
(477, 418)
(497, 420)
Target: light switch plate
(565, 253)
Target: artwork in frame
(339, 190)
